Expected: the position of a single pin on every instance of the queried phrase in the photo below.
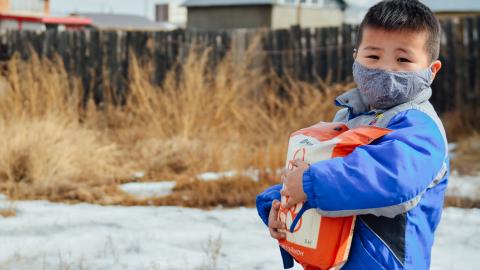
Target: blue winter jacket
(388, 185)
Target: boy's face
(395, 50)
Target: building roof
(208, 3)
(46, 19)
(205, 3)
(107, 21)
(453, 6)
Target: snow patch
(253, 174)
(214, 176)
(452, 147)
(457, 240)
(47, 235)
(138, 174)
(463, 186)
(149, 189)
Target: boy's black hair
(410, 15)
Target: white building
(274, 14)
(33, 6)
(164, 10)
(168, 11)
(34, 15)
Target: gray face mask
(384, 89)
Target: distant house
(170, 11)
(226, 14)
(456, 8)
(35, 6)
(105, 21)
(35, 15)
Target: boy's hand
(293, 184)
(275, 226)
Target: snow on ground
(149, 189)
(464, 186)
(212, 176)
(460, 185)
(47, 235)
(254, 174)
(457, 241)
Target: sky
(356, 11)
(145, 7)
(135, 7)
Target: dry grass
(227, 118)
(227, 192)
(48, 158)
(201, 119)
(461, 123)
(47, 153)
(452, 201)
(462, 127)
(8, 210)
(467, 155)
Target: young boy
(395, 185)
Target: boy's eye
(373, 57)
(401, 59)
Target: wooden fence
(307, 54)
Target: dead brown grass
(8, 210)
(461, 123)
(452, 201)
(201, 119)
(462, 128)
(467, 155)
(227, 118)
(47, 153)
(226, 192)
(47, 157)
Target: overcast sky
(137, 7)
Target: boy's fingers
(276, 224)
(275, 227)
(276, 204)
(289, 203)
(299, 163)
(276, 234)
(294, 162)
(284, 192)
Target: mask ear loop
(431, 72)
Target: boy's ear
(436, 66)
(355, 53)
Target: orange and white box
(319, 242)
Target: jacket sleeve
(264, 201)
(385, 178)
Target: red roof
(71, 20)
